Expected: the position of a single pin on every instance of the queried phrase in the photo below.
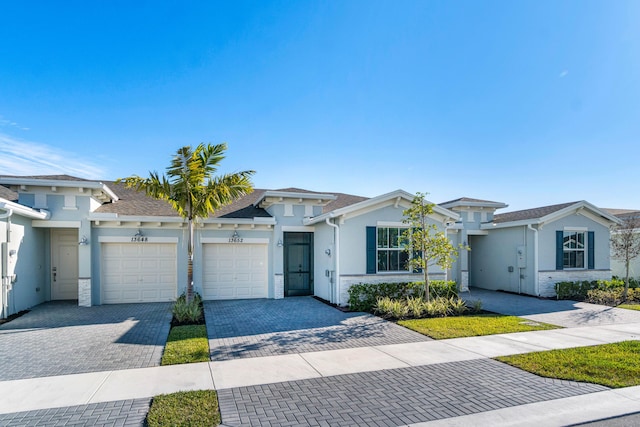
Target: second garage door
(235, 271)
(138, 272)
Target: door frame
(287, 244)
(55, 236)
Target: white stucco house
(65, 238)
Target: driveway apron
(261, 327)
(566, 313)
(60, 338)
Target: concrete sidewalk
(81, 389)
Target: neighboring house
(617, 265)
(100, 243)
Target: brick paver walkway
(255, 328)
(392, 397)
(120, 413)
(60, 338)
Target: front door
(64, 264)
(298, 264)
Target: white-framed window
(574, 249)
(391, 255)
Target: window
(390, 253)
(573, 248)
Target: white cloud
(20, 157)
(8, 123)
(563, 73)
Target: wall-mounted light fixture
(84, 241)
(138, 234)
(328, 252)
(235, 235)
(280, 244)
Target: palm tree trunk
(189, 293)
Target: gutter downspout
(4, 294)
(536, 284)
(336, 253)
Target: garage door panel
(133, 272)
(235, 271)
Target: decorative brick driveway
(60, 338)
(254, 328)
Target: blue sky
(528, 103)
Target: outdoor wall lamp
(280, 244)
(328, 252)
(84, 241)
(138, 234)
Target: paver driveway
(262, 327)
(566, 313)
(60, 338)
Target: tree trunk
(189, 293)
(626, 282)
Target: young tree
(625, 244)
(192, 189)
(425, 244)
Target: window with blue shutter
(590, 250)
(371, 250)
(559, 250)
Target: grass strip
(472, 326)
(612, 365)
(630, 306)
(186, 344)
(185, 408)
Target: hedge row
(364, 296)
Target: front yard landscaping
(612, 365)
(630, 306)
(472, 325)
(186, 344)
(185, 408)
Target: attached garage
(235, 271)
(138, 272)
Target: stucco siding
(547, 236)
(491, 257)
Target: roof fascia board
(22, 210)
(376, 203)
(94, 185)
(293, 195)
(495, 225)
(578, 208)
(494, 205)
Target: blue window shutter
(591, 251)
(559, 250)
(371, 250)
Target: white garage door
(138, 272)
(235, 271)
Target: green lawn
(186, 344)
(471, 326)
(630, 306)
(612, 365)
(185, 408)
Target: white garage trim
(250, 240)
(125, 239)
(138, 272)
(235, 271)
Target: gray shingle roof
(624, 213)
(137, 203)
(8, 194)
(49, 177)
(530, 213)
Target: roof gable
(546, 214)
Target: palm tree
(192, 189)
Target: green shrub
(416, 306)
(610, 297)
(364, 296)
(437, 307)
(457, 307)
(185, 312)
(476, 306)
(579, 290)
(390, 308)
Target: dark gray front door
(298, 264)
